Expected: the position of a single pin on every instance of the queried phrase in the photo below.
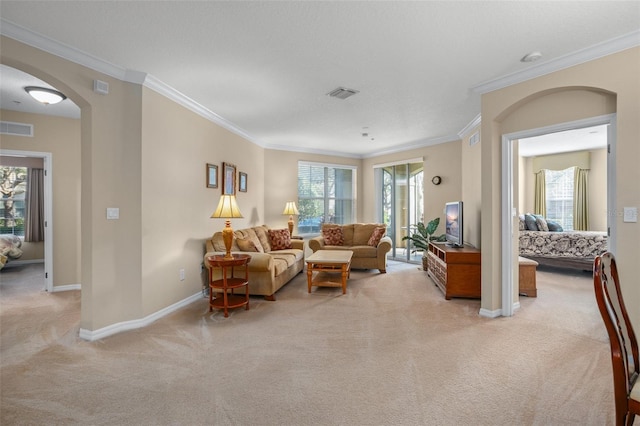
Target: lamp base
(290, 225)
(227, 237)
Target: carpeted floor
(392, 351)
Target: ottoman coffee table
(330, 266)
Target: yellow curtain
(581, 200)
(540, 195)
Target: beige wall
(472, 189)
(595, 88)
(60, 137)
(176, 203)
(594, 160)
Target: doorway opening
(402, 205)
(510, 206)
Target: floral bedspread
(568, 244)
(9, 248)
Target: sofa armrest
(297, 244)
(316, 243)
(384, 246)
(260, 262)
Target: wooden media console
(456, 271)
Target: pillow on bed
(542, 224)
(554, 226)
(530, 222)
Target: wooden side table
(228, 283)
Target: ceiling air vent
(16, 129)
(342, 93)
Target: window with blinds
(559, 196)
(326, 194)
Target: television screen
(453, 223)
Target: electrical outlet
(181, 274)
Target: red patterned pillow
(333, 236)
(280, 239)
(376, 235)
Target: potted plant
(422, 236)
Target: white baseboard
(68, 287)
(110, 330)
(490, 314)
(12, 262)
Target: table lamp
(228, 209)
(290, 209)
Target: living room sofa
(368, 242)
(275, 260)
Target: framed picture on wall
(212, 176)
(228, 179)
(242, 182)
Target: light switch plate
(630, 214)
(113, 213)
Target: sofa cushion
(246, 244)
(332, 235)
(362, 232)
(263, 236)
(364, 251)
(376, 235)
(280, 239)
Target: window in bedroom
(559, 196)
(13, 188)
(326, 194)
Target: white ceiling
(264, 68)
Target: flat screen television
(453, 224)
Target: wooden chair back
(622, 339)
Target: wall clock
(436, 180)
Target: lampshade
(290, 208)
(227, 208)
(44, 95)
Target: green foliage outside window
(13, 187)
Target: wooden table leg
(345, 275)
(309, 276)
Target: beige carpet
(392, 351)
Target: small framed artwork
(228, 179)
(242, 177)
(212, 176)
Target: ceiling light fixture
(44, 95)
(342, 93)
(531, 57)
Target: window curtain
(540, 196)
(34, 224)
(581, 200)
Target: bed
(565, 249)
(9, 248)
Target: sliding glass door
(402, 202)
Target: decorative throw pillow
(280, 239)
(554, 226)
(245, 244)
(542, 224)
(333, 236)
(521, 224)
(530, 222)
(376, 235)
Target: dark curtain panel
(34, 226)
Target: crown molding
(169, 92)
(470, 127)
(581, 56)
(33, 39)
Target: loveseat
(275, 257)
(368, 242)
